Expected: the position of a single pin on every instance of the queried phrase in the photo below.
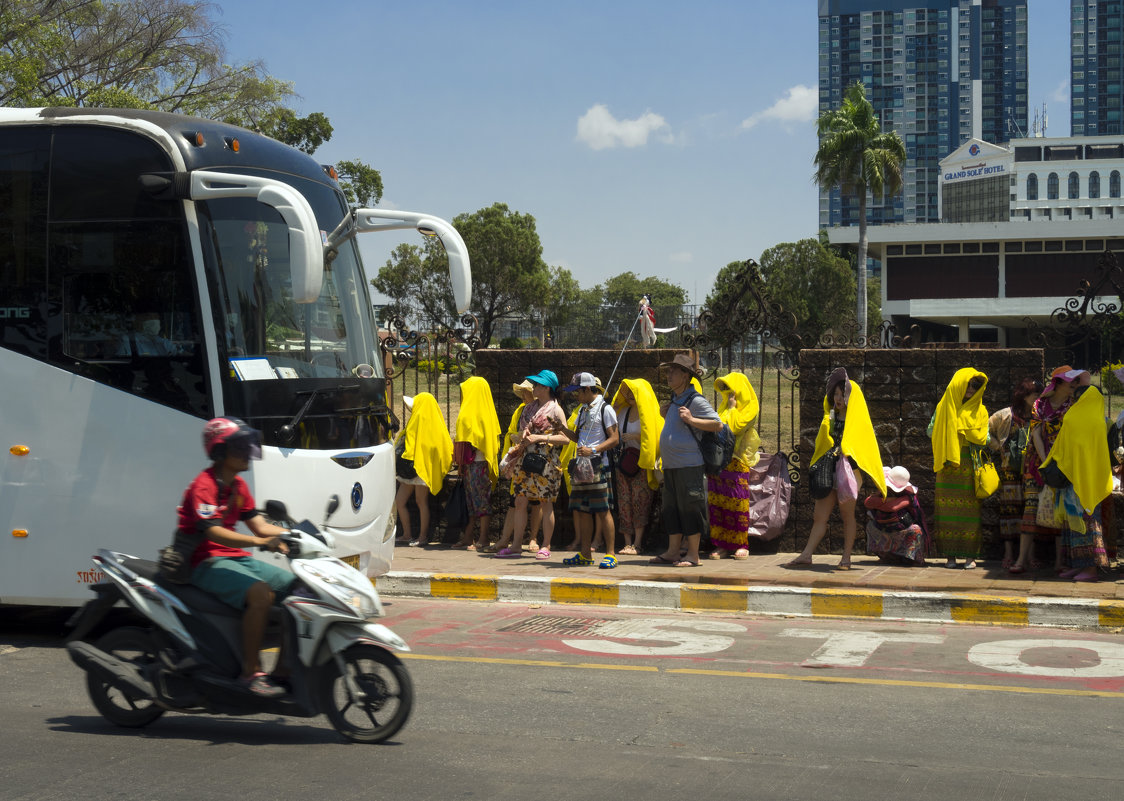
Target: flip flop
(685, 563)
(659, 559)
(508, 553)
(797, 565)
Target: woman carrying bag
(847, 432)
(477, 455)
(958, 430)
(538, 475)
(728, 492)
(639, 424)
(427, 451)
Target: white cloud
(681, 257)
(599, 129)
(800, 104)
(1061, 93)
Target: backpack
(716, 447)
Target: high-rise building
(939, 72)
(1096, 36)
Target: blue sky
(668, 139)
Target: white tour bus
(159, 270)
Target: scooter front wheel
(133, 645)
(372, 700)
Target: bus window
(252, 294)
(128, 310)
(23, 240)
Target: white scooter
(186, 656)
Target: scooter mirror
(276, 510)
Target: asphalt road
(562, 702)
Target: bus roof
(255, 150)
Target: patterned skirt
(1011, 506)
(478, 489)
(1086, 548)
(728, 498)
(911, 544)
(958, 530)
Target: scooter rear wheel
(129, 644)
(388, 691)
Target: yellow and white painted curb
(890, 605)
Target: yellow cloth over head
(956, 423)
(1080, 450)
(741, 416)
(859, 441)
(477, 422)
(570, 450)
(695, 383)
(651, 424)
(428, 442)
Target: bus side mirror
(306, 243)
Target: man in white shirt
(590, 471)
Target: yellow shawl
(1081, 451)
(477, 422)
(570, 450)
(651, 424)
(512, 427)
(955, 419)
(859, 441)
(428, 442)
(742, 418)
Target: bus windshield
(263, 333)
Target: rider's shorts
(230, 577)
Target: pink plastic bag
(845, 482)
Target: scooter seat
(195, 598)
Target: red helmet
(224, 433)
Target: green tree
(508, 273)
(812, 283)
(361, 183)
(856, 156)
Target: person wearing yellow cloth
(429, 448)
(728, 495)
(846, 423)
(1081, 453)
(476, 453)
(519, 421)
(639, 425)
(959, 426)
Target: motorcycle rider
(212, 505)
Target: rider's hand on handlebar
(274, 544)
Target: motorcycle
(186, 658)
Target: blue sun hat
(545, 378)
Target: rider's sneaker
(261, 685)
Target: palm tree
(855, 155)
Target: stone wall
(902, 388)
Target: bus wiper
(288, 432)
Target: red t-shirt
(206, 503)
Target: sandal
(608, 563)
(543, 553)
(508, 553)
(741, 554)
(628, 550)
(577, 560)
(717, 553)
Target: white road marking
(852, 648)
(686, 643)
(1007, 656)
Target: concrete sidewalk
(761, 585)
